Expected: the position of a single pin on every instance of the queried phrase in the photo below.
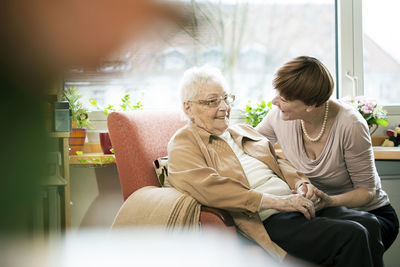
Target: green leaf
(254, 115)
(367, 117)
(124, 106)
(126, 98)
(382, 122)
(137, 106)
(93, 102)
(79, 153)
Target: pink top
(346, 162)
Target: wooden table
(92, 156)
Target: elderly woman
(328, 141)
(236, 169)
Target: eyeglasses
(213, 103)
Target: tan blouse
(346, 162)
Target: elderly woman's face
(214, 120)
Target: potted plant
(80, 120)
(255, 114)
(125, 105)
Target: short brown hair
(306, 79)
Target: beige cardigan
(205, 167)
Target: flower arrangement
(79, 113)
(372, 112)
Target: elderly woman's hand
(308, 190)
(295, 202)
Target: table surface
(380, 152)
(92, 155)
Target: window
(248, 41)
(367, 64)
(381, 53)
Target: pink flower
(366, 109)
(369, 106)
(369, 109)
(360, 99)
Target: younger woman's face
(290, 110)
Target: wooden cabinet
(52, 216)
(389, 171)
(65, 173)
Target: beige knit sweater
(163, 207)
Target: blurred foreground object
(139, 247)
(39, 41)
(68, 33)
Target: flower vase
(76, 140)
(373, 128)
(105, 143)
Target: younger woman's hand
(323, 200)
(307, 190)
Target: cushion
(161, 167)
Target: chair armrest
(225, 217)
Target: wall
(95, 195)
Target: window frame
(350, 53)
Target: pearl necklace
(323, 125)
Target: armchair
(140, 137)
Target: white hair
(197, 77)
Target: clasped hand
(306, 199)
(296, 202)
(318, 198)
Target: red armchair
(139, 138)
